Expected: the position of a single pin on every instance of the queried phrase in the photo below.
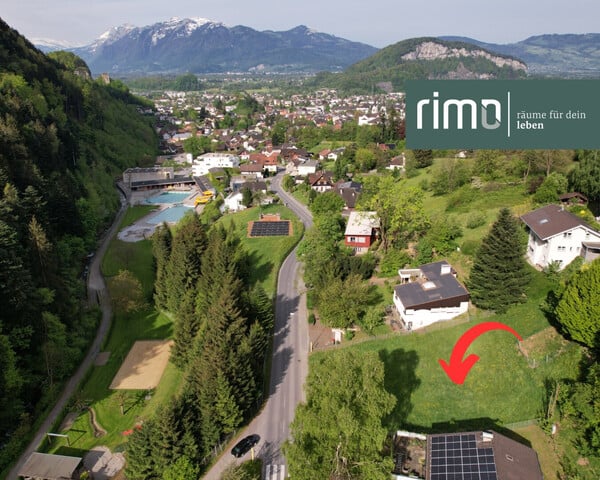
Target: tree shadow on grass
(401, 381)
(259, 270)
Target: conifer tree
(183, 269)
(140, 461)
(161, 248)
(578, 310)
(187, 325)
(499, 274)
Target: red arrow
(458, 369)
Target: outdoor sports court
(144, 365)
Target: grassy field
(501, 388)
(146, 324)
(266, 253)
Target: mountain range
(566, 55)
(199, 45)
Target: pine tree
(183, 269)
(499, 274)
(187, 325)
(140, 461)
(161, 248)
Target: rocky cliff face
(436, 51)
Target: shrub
(476, 220)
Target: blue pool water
(171, 214)
(168, 197)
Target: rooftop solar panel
(456, 457)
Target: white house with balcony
(558, 236)
(204, 163)
(429, 294)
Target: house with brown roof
(429, 294)
(557, 236)
(321, 181)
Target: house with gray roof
(557, 236)
(429, 294)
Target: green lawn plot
(301, 195)
(126, 329)
(503, 386)
(266, 253)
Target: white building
(556, 235)
(429, 294)
(233, 202)
(204, 163)
(308, 167)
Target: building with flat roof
(429, 294)
(204, 163)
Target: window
(562, 248)
(567, 234)
(353, 239)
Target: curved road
(97, 294)
(289, 366)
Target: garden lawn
(133, 256)
(501, 388)
(126, 329)
(266, 253)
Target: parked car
(245, 444)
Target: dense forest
(222, 332)
(63, 139)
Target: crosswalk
(275, 472)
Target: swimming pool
(168, 197)
(171, 214)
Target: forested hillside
(419, 59)
(63, 139)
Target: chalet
(361, 231)
(321, 181)
(429, 294)
(557, 236)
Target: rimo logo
(454, 113)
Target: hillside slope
(63, 139)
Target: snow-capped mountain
(200, 45)
(50, 45)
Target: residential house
(430, 294)
(335, 153)
(204, 163)
(321, 181)
(557, 236)
(573, 198)
(361, 231)
(233, 202)
(463, 455)
(307, 167)
(349, 191)
(323, 154)
(254, 169)
(397, 163)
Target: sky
(375, 22)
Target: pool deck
(143, 229)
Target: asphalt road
(289, 366)
(97, 294)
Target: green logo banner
(503, 114)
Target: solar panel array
(270, 229)
(456, 457)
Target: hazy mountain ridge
(199, 45)
(564, 55)
(423, 58)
